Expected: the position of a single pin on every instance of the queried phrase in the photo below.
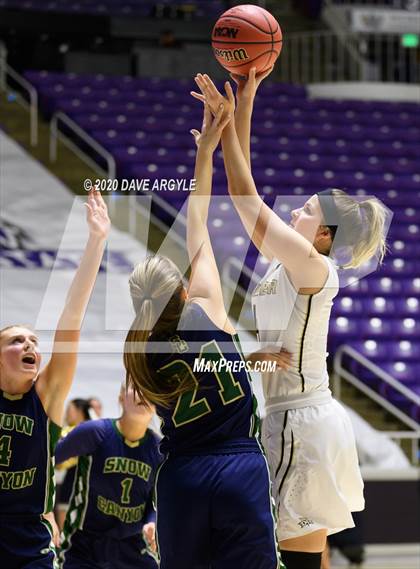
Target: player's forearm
(82, 285)
(243, 115)
(238, 173)
(199, 200)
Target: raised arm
(272, 237)
(205, 286)
(55, 379)
(245, 95)
(270, 233)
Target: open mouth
(29, 359)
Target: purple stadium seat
(347, 306)
(299, 146)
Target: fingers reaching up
(212, 127)
(210, 94)
(97, 214)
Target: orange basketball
(246, 36)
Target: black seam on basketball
(267, 65)
(268, 22)
(272, 33)
(269, 25)
(247, 42)
(282, 444)
(248, 22)
(242, 63)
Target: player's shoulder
(192, 313)
(154, 437)
(97, 427)
(154, 441)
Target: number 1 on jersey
(126, 489)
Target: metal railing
(7, 71)
(109, 173)
(335, 56)
(341, 372)
(407, 435)
(140, 209)
(56, 135)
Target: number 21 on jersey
(188, 407)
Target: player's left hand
(97, 215)
(210, 95)
(56, 532)
(247, 86)
(211, 129)
(271, 353)
(149, 534)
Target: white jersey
(299, 324)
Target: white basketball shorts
(314, 469)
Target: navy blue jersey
(27, 442)
(222, 407)
(114, 479)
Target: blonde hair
(16, 326)
(156, 290)
(365, 229)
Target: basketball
(246, 36)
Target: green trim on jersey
(155, 501)
(130, 444)
(255, 427)
(52, 547)
(280, 564)
(53, 435)
(78, 504)
(255, 431)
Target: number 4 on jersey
(5, 452)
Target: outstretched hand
(97, 215)
(247, 86)
(209, 94)
(211, 129)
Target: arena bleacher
(300, 146)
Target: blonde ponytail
(157, 293)
(365, 230)
(373, 244)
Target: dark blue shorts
(25, 543)
(93, 551)
(215, 511)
